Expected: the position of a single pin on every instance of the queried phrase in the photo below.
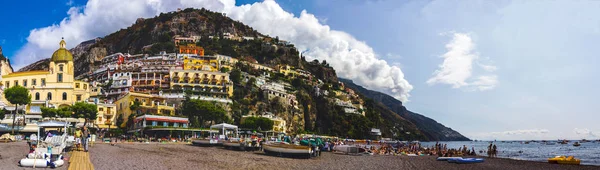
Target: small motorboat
(564, 160)
(576, 144)
(284, 149)
(466, 160)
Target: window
(154, 123)
(100, 119)
(64, 95)
(185, 125)
(33, 82)
(166, 124)
(16, 82)
(100, 109)
(85, 86)
(49, 96)
(78, 97)
(60, 78)
(37, 96)
(7, 84)
(60, 67)
(43, 82)
(77, 85)
(175, 124)
(24, 83)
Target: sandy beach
(183, 156)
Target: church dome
(62, 54)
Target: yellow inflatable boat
(564, 160)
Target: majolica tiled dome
(62, 54)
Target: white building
(272, 90)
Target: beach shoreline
(185, 156)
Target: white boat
(348, 149)
(287, 149)
(41, 162)
(205, 142)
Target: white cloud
(489, 68)
(350, 57)
(70, 3)
(485, 82)
(521, 132)
(584, 133)
(457, 67)
(513, 134)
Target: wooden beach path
(80, 161)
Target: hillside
(316, 113)
(431, 128)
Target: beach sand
(11, 153)
(182, 156)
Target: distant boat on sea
(576, 144)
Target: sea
(588, 152)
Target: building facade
(54, 88)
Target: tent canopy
(52, 123)
(223, 126)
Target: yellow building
(206, 83)
(204, 63)
(191, 49)
(148, 104)
(106, 115)
(287, 70)
(54, 88)
(279, 125)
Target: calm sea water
(588, 152)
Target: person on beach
(78, 139)
(489, 150)
(494, 151)
(84, 138)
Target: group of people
(82, 136)
(492, 150)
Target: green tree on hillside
(87, 111)
(256, 123)
(17, 95)
(235, 76)
(203, 111)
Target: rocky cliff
(431, 128)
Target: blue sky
(488, 69)
(17, 23)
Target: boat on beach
(285, 149)
(348, 149)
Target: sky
(505, 70)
